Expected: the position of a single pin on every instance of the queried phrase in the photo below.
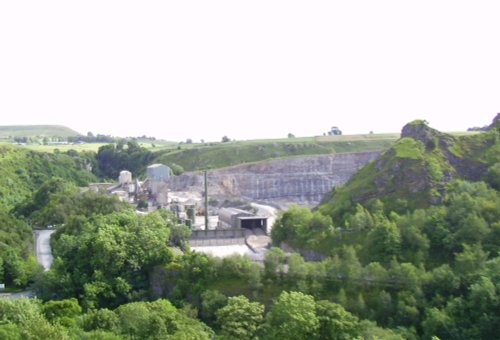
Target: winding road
(43, 252)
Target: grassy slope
(414, 172)
(217, 155)
(7, 132)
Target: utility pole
(206, 201)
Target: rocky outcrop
(303, 180)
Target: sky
(248, 69)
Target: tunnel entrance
(252, 222)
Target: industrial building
(158, 173)
(232, 218)
(157, 177)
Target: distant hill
(413, 173)
(11, 131)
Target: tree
(27, 315)
(240, 318)
(293, 317)
(273, 262)
(335, 322)
(362, 219)
(212, 301)
(493, 176)
(292, 224)
(225, 139)
(383, 242)
(10, 331)
(291, 135)
(438, 323)
(179, 235)
(470, 261)
(106, 261)
(158, 320)
(297, 272)
(100, 319)
(63, 312)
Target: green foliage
(293, 316)
(100, 319)
(434, 169)
(299, 226)
(383, 242)
(408, 148)
(212, 301)
(158, 320)
(63, 312)
(125, 155)
(335, 323)
(273, 263)
(29, 321)
(17, 266)
(493, 176)
(361, 220)
(24, 171)
(106, 260)
(60, 203)
(10, 331)
(240, 318)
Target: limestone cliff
(303, 180)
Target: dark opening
(252, 223)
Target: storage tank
(125, 177)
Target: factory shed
(232, 218)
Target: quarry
(241, 202)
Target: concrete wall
(219, 237)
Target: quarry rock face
(302, 180)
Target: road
(43, 252)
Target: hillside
(11, 131)
(23, 171)
(414, 172)
(191, 157)
(412, 240)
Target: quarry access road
(43, 252)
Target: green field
(64, 147)
(11, 131)
(90, 146)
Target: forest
(407, 249)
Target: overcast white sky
(248, 69)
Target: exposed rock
(303, 180)
(420, 131)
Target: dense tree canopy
(124, 155)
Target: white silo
(125, 177)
